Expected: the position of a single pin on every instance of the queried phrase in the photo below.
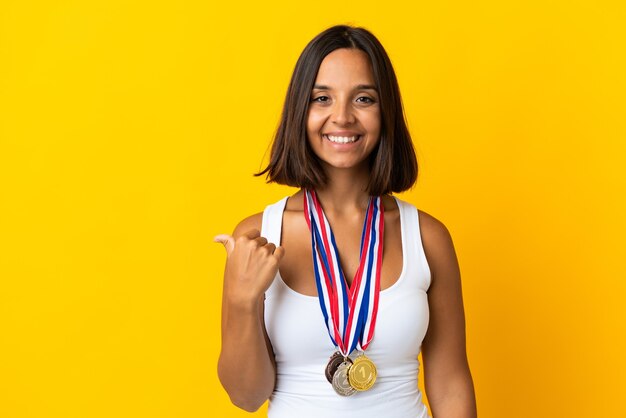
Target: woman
(330, 294)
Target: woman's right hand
(251, 265)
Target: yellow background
(129, 132)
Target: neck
(345, 190)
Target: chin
(343, 164)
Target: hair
(393, 164)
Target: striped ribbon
(349, 311)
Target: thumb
(227, 240)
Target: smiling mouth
(342, 139)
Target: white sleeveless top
(302, 347)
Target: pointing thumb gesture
(227, 240)
(251, 265)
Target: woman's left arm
(447, 376)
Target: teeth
(342, 139)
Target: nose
(343, 112)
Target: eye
(366, 99)
(320, 99)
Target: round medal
(340, 380)
(362, 373)
(333, 363)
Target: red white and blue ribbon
(349, 311)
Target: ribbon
(349, 311)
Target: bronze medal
(340, 380)
(362, 373)
(333, 363)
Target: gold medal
(362, 373)
(340, 380)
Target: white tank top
(302, 347)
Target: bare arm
(246, 365)
(447, 377)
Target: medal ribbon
(349, 311)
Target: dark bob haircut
(393, 165)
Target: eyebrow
(358, 87)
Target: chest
(296, 267)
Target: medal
(333, 364)
(362, 373)
(340, 380)
(349, 311)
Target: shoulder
(433, 230)
(254, 221)
(247, 224)
(437, 242)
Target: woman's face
(343, 123)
